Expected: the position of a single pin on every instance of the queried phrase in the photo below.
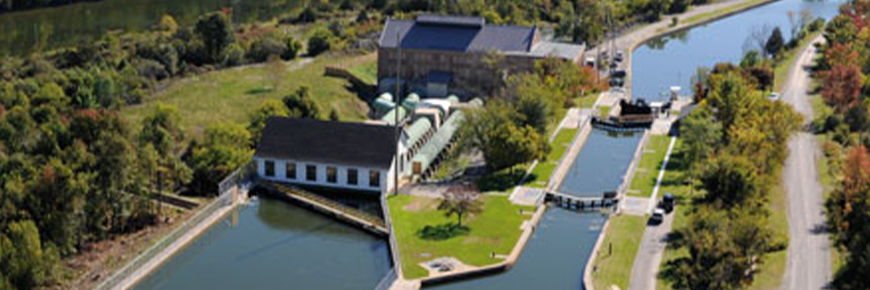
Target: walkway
(809, 251)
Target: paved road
(649, 256)
(809, 255)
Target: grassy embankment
(625, 232)
(717, 13)
(232, 94)
(614, 268)
(650, 164)
(496, 230)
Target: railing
(224, 199)
(114, 281)
(388, 280)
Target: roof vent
(447, 20)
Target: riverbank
(699, 15)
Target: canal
(273, 244)
(554, 258)
(601, 163)
(673, 60)
(43, 29)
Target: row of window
(331, 173)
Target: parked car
(620, 56)
(657, 216)
(667, 202)
(774, 96)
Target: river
(272, 244)
(673, 60)
(46, 28)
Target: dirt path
(809, 251)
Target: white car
(657, 216)
(774, 96)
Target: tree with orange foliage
(841, 86)
(849, 219)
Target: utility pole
(396, 115)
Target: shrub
(235, 55)
(263, 47)
(291, 49)
(319, 42)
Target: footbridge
(327, 206)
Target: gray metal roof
(453, 33)
(557, 49)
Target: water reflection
(662, 63)
(44, 29)
(276, 245)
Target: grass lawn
(604, 111)
(497, 230)
(366, 71)
(772, 270)
(650, 164)
(729, 9)
(625, 234)
(587, 101)
(780, 70)
(232, 94)
(541, 173)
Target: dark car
(667, 202)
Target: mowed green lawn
(366, 71)
(232, 94)
(624, 233)
(541, 173)
(650, 163)
(496, 230)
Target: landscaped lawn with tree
(496, 230)
(232, 94)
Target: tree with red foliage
(849, 219)
(841, 86)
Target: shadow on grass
(502, 180)
(442, 232)
(259, 91)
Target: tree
(848, 209)
(258, 118)
(701, 136)
(162, 132)
(300, 104)
(460, 200)
(224, 148)
(292, 47)
(494, 130)
(775, 43)
(731, 181)
(216, 32)
(841, 86)
(167, 24)
(264, 48)
(275, 70)
(320, 41)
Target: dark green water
(554, 258)
(601, 163)
(44, 29)
(673, 60)
(276, 245)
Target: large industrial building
(465, 55)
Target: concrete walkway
(808, 265)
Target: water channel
(46, 28)
(673, 60)
(272, 244)
(600, 164)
